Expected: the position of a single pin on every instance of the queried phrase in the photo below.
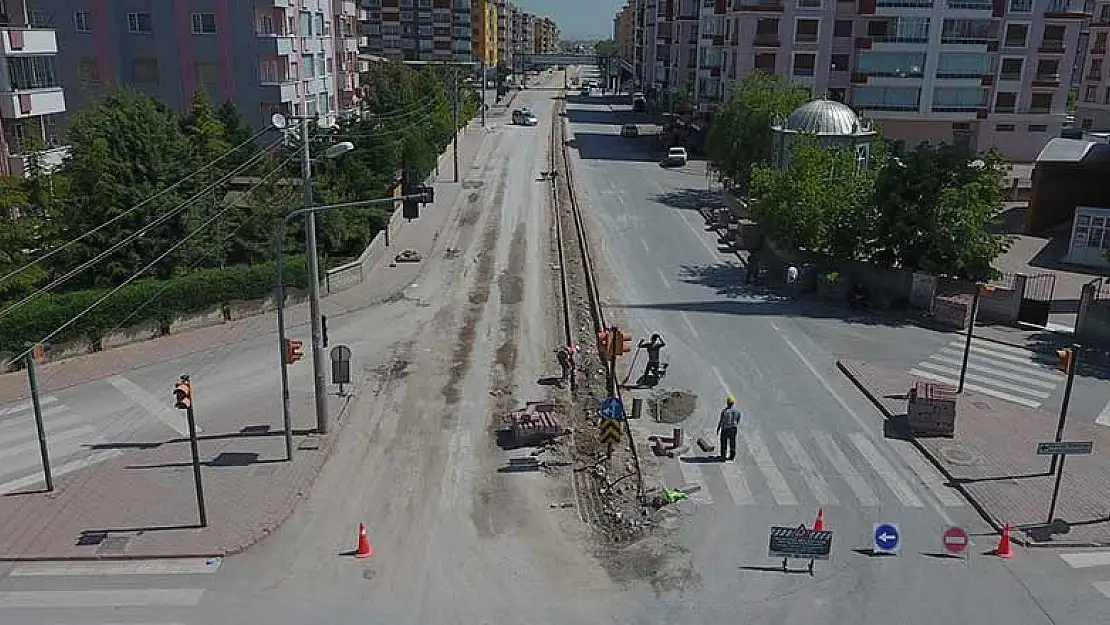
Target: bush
(145, 301)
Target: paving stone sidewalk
(992, 460)
(140, 502)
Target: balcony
(1010, 76)
(276, 45)
(971, 5)
(32, 103)
(1052, 46)
(904, 4)
(17, 41)
(759, 5)
(1046, 80)
(766, 41)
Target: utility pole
(482, 87)
(455, 116)
(44, 452)
(183, 400)
(319, 381)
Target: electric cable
(134, 208)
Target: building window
(1092, 231)
(805, 31)
(1004, 127)
(309, 67)
(809, 4)
(891, 64)
(1087, 123)
(139, 23)
(1041, 104)
(765, 62)
(88, 71)
(1011, 69)
(1021, 6)
(39, 19)
(207, 76)
(955, 99)
(266, 25)
(1090, 94)
(969, 31)
(804, 64)
(1106, 96)
(32, 72)
(145, 71)
(1016, 34)
(840, 62)
(1095, 71)
(82, 22)
(964, 65)
(842, 29)
(1037, 128)
(204, 23)
(1100, 42)
(886, 98)
(1005, 102)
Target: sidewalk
(992, 460)
(138, 500)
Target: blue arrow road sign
(886, 538)
(612, 408)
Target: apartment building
(293, 56)
(419, 30)
(624, 25)
(525, 28)
(32, 100)
(989, 73)
(504, 31)
(1092, 109)
(546, 33)
(483, 32)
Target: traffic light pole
(279, 297)
(1064, 415)
(184, 392)
(319, 381)
(455, 117)
(44, 452)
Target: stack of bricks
(932, 410)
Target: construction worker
(726, 427)
(565, 355)
(653, 347)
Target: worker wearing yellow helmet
(727, 426)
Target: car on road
(525, 117)
(676, 156)
(630, 130)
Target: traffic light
(1065, 359)
(183, 394)
(603, 345)
(293, 351)
(410, 206)
(624, 342)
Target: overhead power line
(138, 233)
(134, 208)
(142, 271)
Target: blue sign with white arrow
(886, 538)
(612, 408)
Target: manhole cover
(368, 574)
(958, 455)
(114, 544)
(981, 405)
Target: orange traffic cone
(364, 549)
(1004, 550)
(819, 524)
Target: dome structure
(825, 117)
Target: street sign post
(1065, 448)
(956, 540)
(799, 543)
(612, 408)
(886, 539)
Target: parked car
(630, 130)
(525, 117)
(676, 156)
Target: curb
(118, 557)
(987, 516)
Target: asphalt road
(808, 441)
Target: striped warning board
(610, 431)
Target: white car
(524, 117)
(676, 156)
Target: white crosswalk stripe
(136, 584)
(791, 468)
(1003, 371)
(1091, 560)
(69, 438)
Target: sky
(577, 19)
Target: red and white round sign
(956, 540)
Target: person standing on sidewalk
(727, 426)
(791, 280)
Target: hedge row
(141, 302)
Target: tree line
(136, 167)
(928, 207)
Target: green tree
(208, 139)
(820, 202)
(934, 208)
(740, 137)
(19, 240)
(123, 150)
(605, 48)
(237, 132)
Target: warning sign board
(610, 431)
(799, 542)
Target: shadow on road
(227, 459)
(613, 147)
(251, 431)
(595, 116)
(691, 199)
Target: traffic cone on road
(364, 549)
(819, 524)
(1004, 550)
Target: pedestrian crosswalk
(1092, 560)
(70, 440)
(1010, 373)
(792, 468)
(75, 592)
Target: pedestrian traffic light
(183, 394)
(1065, 359)
(293, 351)
(415, 195)
(603, 345)
(624, 342)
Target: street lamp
(320, 385)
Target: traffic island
(991, 458)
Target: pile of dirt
(672, 406)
